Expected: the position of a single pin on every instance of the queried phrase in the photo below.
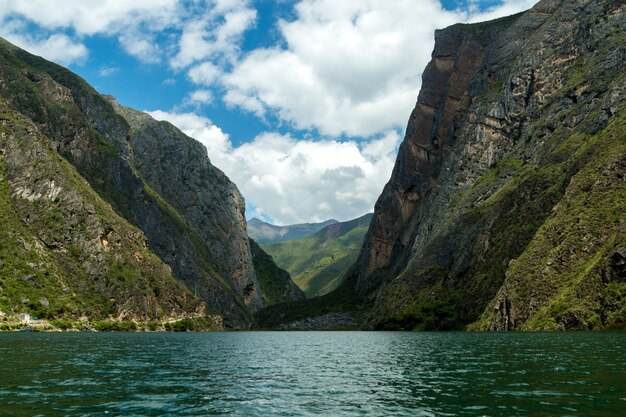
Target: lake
(313, 373)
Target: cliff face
(64, 253)
(507, 198)
(155, 178)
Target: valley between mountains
(505, 210)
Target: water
(313, 373)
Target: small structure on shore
(24, 317)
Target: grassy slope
(318, 262)
(41, 270)
(562, 270)
(40, 262)
(276, 284)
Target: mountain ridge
(317, 263)
(263, 232)
(151, 177)
(511, 114)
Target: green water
(313, 373)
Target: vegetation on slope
(543, 229)
(64, 253)
(317, 263)
(276, 284)
(572, 271)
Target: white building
(24, 317)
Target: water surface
(313, 373)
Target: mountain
(263, 232)
(318, 262)
(109, 214)
(506, 206)
(277, 284)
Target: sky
(302, 103)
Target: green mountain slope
(263, 232)
(276, 284)
(64, 253)
(106, 194)
(318, 262)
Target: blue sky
(302, 103)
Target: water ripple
(312, 374)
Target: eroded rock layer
(506, 204)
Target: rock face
(493, 213)
(181, 208)
(65, 253)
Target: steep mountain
(276, 283)
(64, 253)
(506, 206)
(263, 232)
(97, 190)
(317, 263)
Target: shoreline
(201, 323)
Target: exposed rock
(513, 117)
(154, 177)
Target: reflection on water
(313, 373)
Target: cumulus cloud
(350, 68)
(347, 68)
(203, 39)
(295, 180)
(196, 30)
(57, 47)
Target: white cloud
(351, 67)
(348, 68)
(106, 71)
(91, 17)
(295, 180)
(204, 39)
(205, 73)
(196, 30)
(57, 47)
(200, 97)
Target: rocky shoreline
(200, 323)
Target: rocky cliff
(94, 192)
(64, 253)
(506, 204)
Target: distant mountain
(318, 262)
(263, 232)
